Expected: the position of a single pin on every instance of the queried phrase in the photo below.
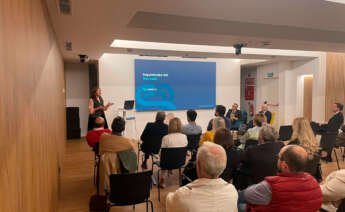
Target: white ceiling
(312, 25)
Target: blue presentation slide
(174, 85)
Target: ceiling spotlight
(238, 48)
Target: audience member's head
(118, 125)
(220, 110)
(258, 120)
(211, 160)
(303, 132)
(267, 134)
(224, 138)
(337, 107)
(175, 125)
(191, 115)
(160, 116)
(95, 92)
(234, 106)
(264, 107)
(292, 159)
(217, 123)
(99, 122)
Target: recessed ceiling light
(337, 1)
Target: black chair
(170, 159)
(336, 156)
(251, 143)
(151, 147)
(97, 159)
(314, 167)
(129, 189)
(193, 142)
(285, 133)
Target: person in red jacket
(291, 190)
(94, 135)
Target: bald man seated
(93, 136)
(208, 192)
(291, 190)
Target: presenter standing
(97, 108)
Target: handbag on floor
(97, 203)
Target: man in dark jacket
(291, 190)
(220, 111)
(330, 130)
(266, 112)
(152, 137)
(235, 116)
(260, 161)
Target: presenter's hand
(110, 104)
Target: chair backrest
(154, 145)
(130, 189)
(193, 141)
(173, 158)
(312, 165)
(251, 143)
(285, 133)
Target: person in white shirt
(209, 192)
(174, 139)
(333, 190)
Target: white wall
(77, 91)
(116, 77)
(287, 89)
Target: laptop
(285, 133)
(129, 105)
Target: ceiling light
(131, 44)
(337, 1)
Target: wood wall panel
(32, 108)
(335, 81)
(308, 97)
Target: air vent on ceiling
(68, 46)
(65, 7)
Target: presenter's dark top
(96, 104)
(334, 124)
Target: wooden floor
(77, 187)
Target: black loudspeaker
(73, 123)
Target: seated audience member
(224, 138)
(260, 161)
(110, 146)
(290, 190)
(218, 122)
(152, 134)
(208, 192)
(219, 112)
(304, 136)
(174, 139)
(235, 116)
(191, 128)
(253, 133)
(333, 191)
(266, 112)
(94, 135)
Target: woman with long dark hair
(97, 108)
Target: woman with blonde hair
(217, 123)
(174, 139)
(304, 136)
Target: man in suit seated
(208, 192)
(220, 112)
(152, 136)
(235, 116)
(330, 130)
(291, 190)
(266, 112)
(260, 161)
